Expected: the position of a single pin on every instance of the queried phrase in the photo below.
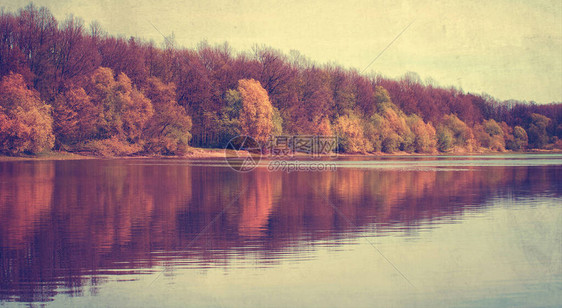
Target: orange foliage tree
(256, 116)
(25, 120)
(123, 115)
(75, 116)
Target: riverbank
(203, 153)
(193, 153)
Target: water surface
(458, 231)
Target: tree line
(76, 88)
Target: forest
(70, 87)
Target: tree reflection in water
(67, 224)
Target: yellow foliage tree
(462, 134)
(123, 116)
(136, 110)
(351, 134)
(425, 138)
(256, 116)
(490, 135)
(396, 132)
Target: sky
(506, 48)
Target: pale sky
(508, 49)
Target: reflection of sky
(510, 49)
(442, 162)
(509, 255)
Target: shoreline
(204, 153)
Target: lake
(445, 231)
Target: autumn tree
(168, 131)
(123, 113)
(538, 136)
(493, 129)
(102, 107)
(227, 120)
(121, 55)
(520, 139)
(396, 135)
(25, 121)
(75, 116)
(345, 92)
(75, 54)
(272, 69)
(125, 110)
(12, 57)
(256, 115)
(425, 140)
(350, 132)
(195, 92)
(445, 139)
(490, 135)
(375, 128)
(36, 38)
(461, 134)
(135, 108)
